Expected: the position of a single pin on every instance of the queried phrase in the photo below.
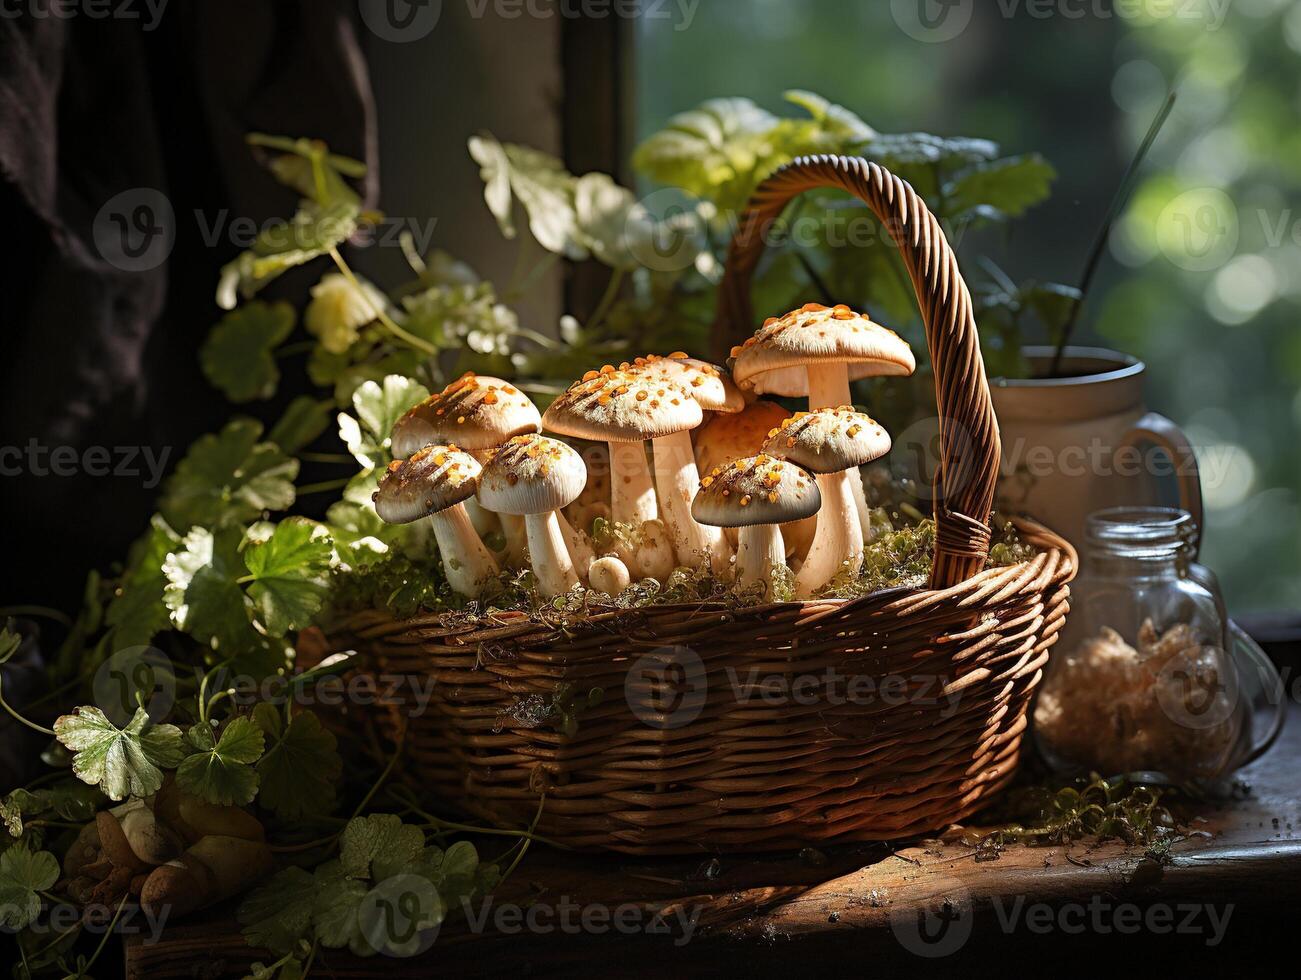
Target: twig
(1118, 203)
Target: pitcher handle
(1164, 434)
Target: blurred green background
(1202, 275)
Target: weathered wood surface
(757, 912)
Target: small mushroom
(757, 494)
(833, 443)
(477, 413)
(724, 438)
(624, 410)
(433, 483)
(609, 575)
(814, 352)
(535, 476)
(676, 476)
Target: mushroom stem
(632, 495)
(512, 529)
(468, 564)
(677, 480)
(838, 539)
(484, 521)
(829, 388)
(760, 549)
(580, 549)
(552, 566)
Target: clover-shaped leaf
(311, 233)
(221, 769)
(289, 571)
(24, 875)
(120, 761)
(229, 477)
(301, 767)
(238, 356)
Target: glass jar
(1149, 676)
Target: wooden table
(1053, 908)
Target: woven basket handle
(969, 442)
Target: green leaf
(378, 406)
(23, 876)
(379, 845)
(289, 571)
(1052, 302)
(338, 898)
(71, 801)
(539, 182)
(278, 913)
(717, 151)
(203, 591)
(1011, 185)
(121, 761)
(303, 421)
(301, 767)
(137, 613)
(238, 355)
(229, 478)
(221, 772)
(311, 233)
(840, 126)
(358, 533)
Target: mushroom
(724, 438)
(815, 351)
(534, 476)
(609, 575)
(434, 482)
(624, 410)
(757, 494)
(833, 443)
(477, 413)
(676, 476)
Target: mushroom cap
(531, 475)
(432, 479)
(828, 440)
(707, 383)
(756, 490)
(773, 361)
(620, 406)
(724, 438)
(476, 412)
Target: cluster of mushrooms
(779, 491)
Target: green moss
(1105, 809)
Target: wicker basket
(874, 718)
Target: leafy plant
(230, 576)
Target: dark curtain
(122, 164)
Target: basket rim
(1056, 562)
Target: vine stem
(322, 487)
(19, 718)
(607, 299)
(410, 339)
